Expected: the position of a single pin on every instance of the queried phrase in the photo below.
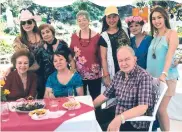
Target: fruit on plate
(38, 112)
(27, 106)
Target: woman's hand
(51, 95)
(115, 124)
(162, 78)
(6, 73)
(107, 81)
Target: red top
(15, 86)
(87, 56)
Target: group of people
(45, 67)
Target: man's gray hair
(128, 48)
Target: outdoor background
(64, 18)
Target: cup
(4, 112)
(71, 93)
(54, 105)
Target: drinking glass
(71, 94)
(54, 105)
(4, 112)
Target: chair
(161, 88)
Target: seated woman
(21, 83)
(63, 79)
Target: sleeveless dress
(155, 66)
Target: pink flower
(95, 68)
(77, 51)
(78, 65)
(82, 60)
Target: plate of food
(38, 112)
(27, 106)
(71, 105)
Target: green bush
(5, 48)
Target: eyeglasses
(29, 22)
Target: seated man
(132, 87)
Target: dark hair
(105, 26)
(63, 53)
(24, 36)
(164, 14)
(22, 52)
(129, 23)
(141, 23)
(43, 26)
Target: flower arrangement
(3, 92)
(134, 19)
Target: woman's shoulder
(32, 74)
(172, 33)
(77, 75)
(12, 74)
(148, 37)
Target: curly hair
(22, 52)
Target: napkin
(12, 106)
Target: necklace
(154, 48)
(80, 39)
(155, 45)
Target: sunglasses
(29, 22)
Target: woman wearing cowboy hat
(29, 37)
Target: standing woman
(29, 37)
(44, 55)
(112, 37)
(140, 42)
(87, 57)
(160, 58)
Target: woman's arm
(33, 87)
(103, 51)
(79, 91)
(72, 63)
(49, 93)
(173, 44)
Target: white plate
(66, 104)
(48, 115)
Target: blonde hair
(128, 48)
(83, 13)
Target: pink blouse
(87, 56)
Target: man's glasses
(29, 22)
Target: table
(83, 121)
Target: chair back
(160, 88)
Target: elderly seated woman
(21, 83)
(63, 79)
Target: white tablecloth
(83, 123)
(175, 107)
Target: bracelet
(122, 119)
(165, 73)
(106, 75)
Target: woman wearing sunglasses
(29, 37)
